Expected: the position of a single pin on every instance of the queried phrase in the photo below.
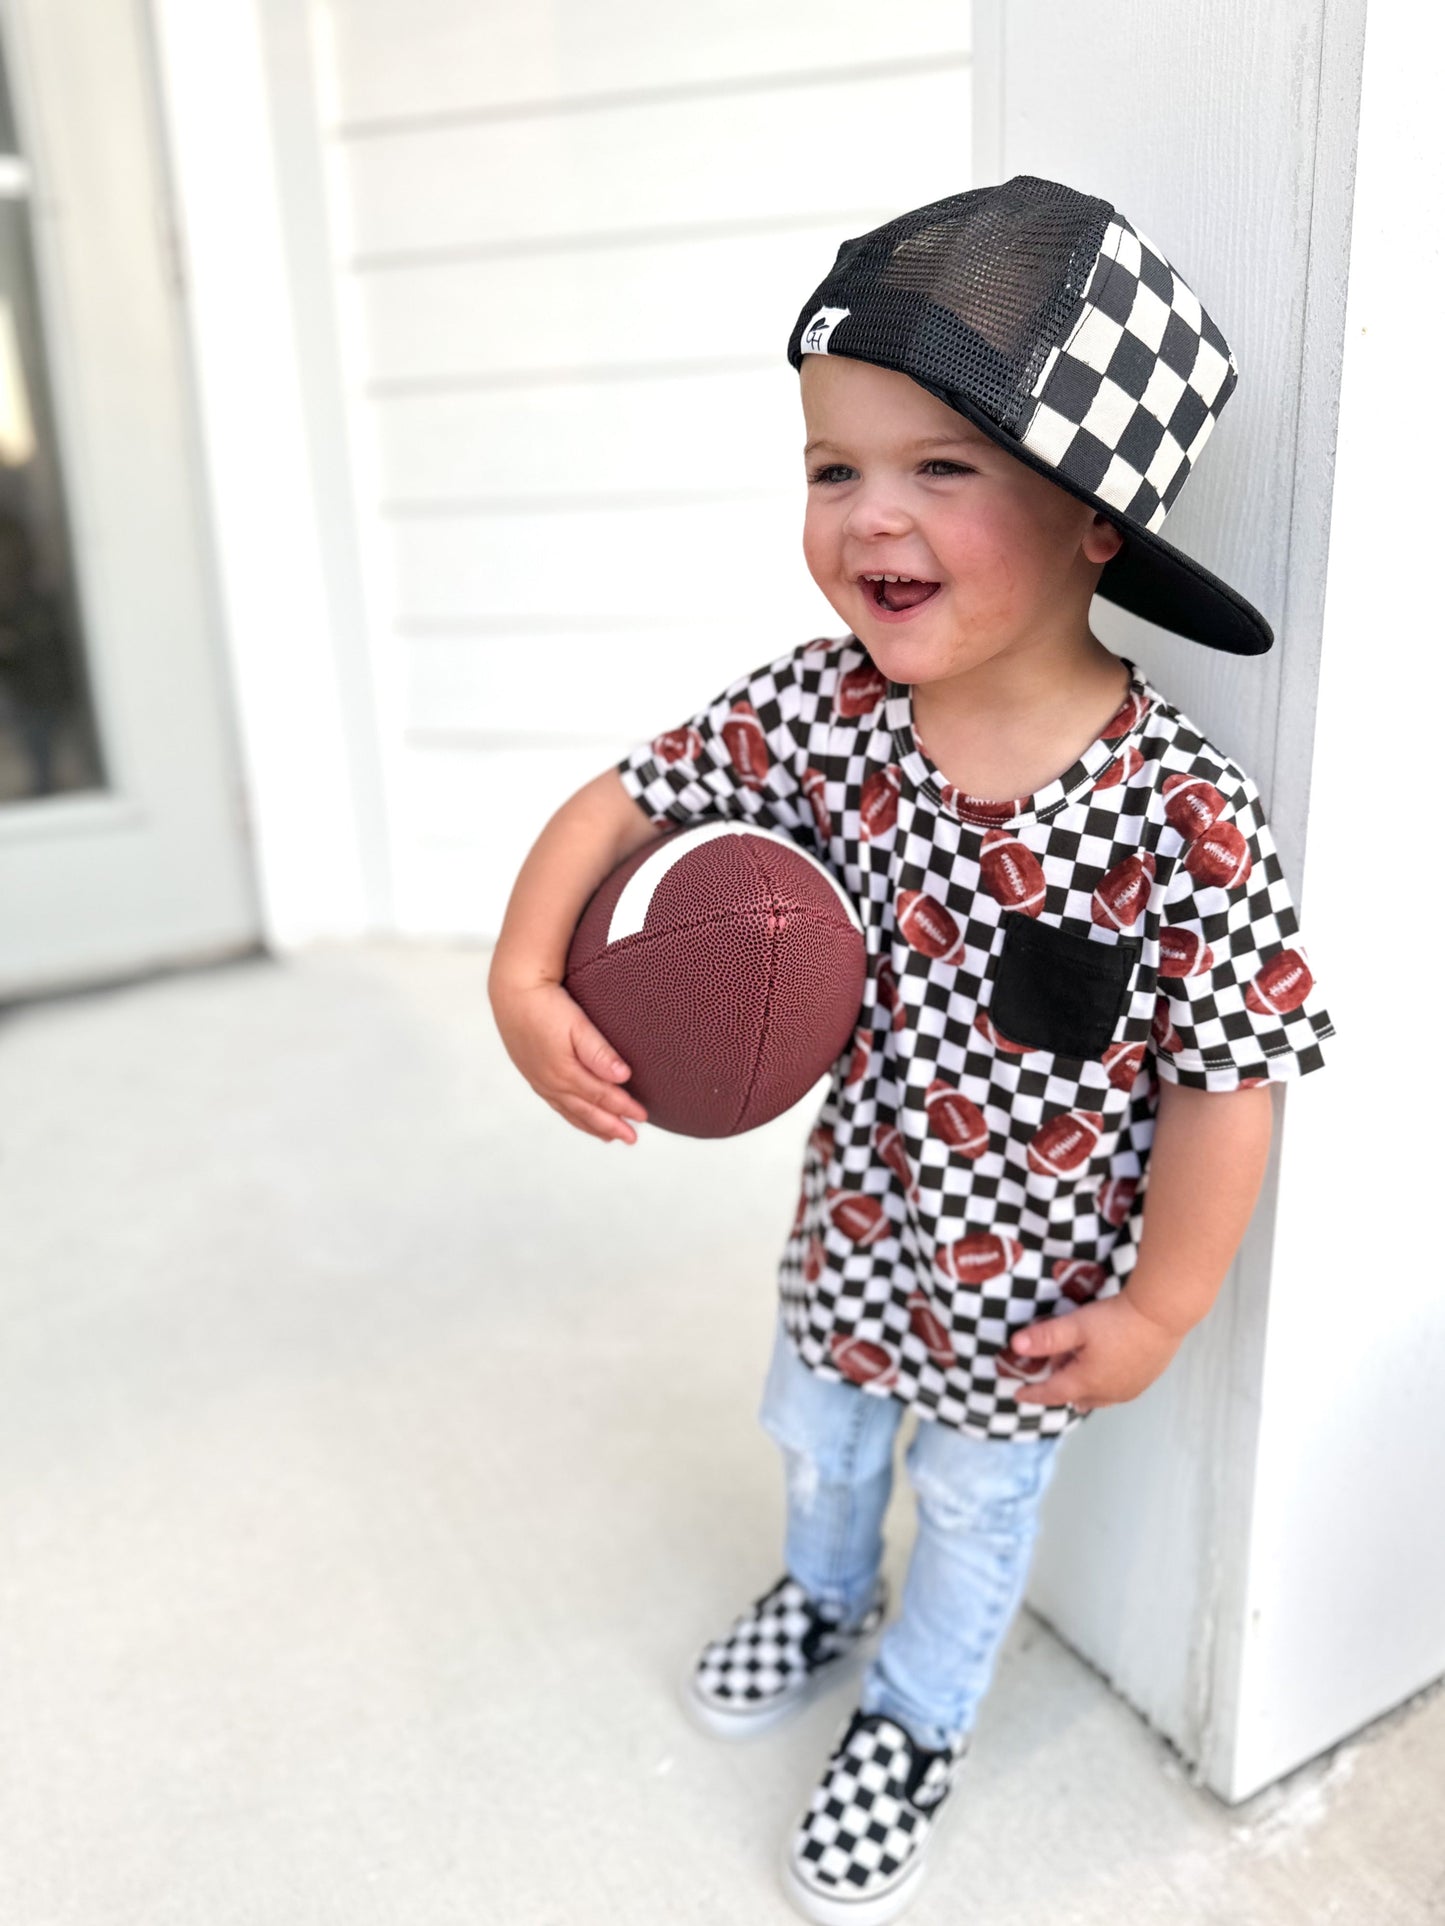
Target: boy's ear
(1103, 540)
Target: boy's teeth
(896, 600)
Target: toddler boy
(1084, 966)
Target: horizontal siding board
(571, 244)
(603, 439)
(670, 165)
(632, 683)
(587, 564)
(574, 316)
(422, 58)
(467, 821)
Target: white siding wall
(572, 242)
(1204, 1545)
(1346, 1599)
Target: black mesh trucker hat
(1061, 332)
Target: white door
(123, 840)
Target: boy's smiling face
(899, 483)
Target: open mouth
(896, 597)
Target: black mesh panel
(969, 292)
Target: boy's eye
(841, 468)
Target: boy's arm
(594, 830)
(1205, 1169)
(1206, 1165)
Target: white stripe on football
(630, 910)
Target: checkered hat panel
(1128, 400)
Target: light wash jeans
(977, 1501)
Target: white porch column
(1246, 1550)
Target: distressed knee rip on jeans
(810, 1464)
(980, 1507)
(803, 1476)
(806, 1467)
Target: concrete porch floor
(362, 1503)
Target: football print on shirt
(962, 1181)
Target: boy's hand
(1105, 1353)
(567, 1060)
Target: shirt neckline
(1080, 776)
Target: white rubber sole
(822, 1911)
(719, 1723)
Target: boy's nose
(874, 512)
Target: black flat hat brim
(1149, 577)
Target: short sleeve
(744, 755)
(1238, 1002)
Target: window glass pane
(48, 741)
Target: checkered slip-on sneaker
(779, 1653)
(856, 1856)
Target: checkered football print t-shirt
(1034, 967)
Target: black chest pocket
(1057, 989)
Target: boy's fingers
(594, 1120)
(596, 1054)
(606, 1096)
(1059, 1387)
(1049, 1336)
(603, 1073)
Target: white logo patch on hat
(815, 335)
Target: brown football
(1011, 873)
(955, 1118)
(978, 1257)
(1124, 891)
(878, 803)
(1065, 1142)
(677, 745)
(815, 788)
(929, 927)
(859, 1215)
(1116, 1199)
(863, 1361)
(1123, 768)
(1282, 984)
(1219, 855)
(987, 809)
(726, 965)
(931, 1330)
(1191, 805)
(891, 995)
(1010, 1364)
(1124, 1061)
(858, 1060)
(860, 690)
(1080, 1278)
(747, 746)
(1183, 951)
(891, 1149)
